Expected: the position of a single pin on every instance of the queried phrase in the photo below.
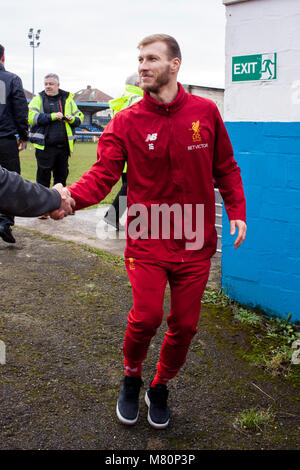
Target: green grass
(245, 315)
(254, 420)
(83, 157)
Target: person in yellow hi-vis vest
(133, 93)
(53, 117)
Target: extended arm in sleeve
(95, 184)
(24, 198)
(227, 174)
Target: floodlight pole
(34, 37)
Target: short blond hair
(171, 43)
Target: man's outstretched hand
(67, 205)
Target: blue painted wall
(265, 270)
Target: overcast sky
(95, 42)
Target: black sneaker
(6, 234)
(128, 402)
(158, 412)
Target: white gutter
(230, 2)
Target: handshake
(67, 205)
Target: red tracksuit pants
(148, 279)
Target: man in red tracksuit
(176, 147)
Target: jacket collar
(60, 93)
(166, 108)
(2, 66)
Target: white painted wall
(256, 27)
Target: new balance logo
(151, 137)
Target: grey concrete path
(87, 227)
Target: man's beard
(162, 79)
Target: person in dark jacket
(26, 199)
(53, 117)
(13, 121)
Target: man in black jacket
(26, 199)
(13, 121)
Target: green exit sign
(254, 67)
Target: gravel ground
(62, 318)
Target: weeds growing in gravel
(272, 338)
(254, 419)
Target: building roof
(91, 95)
(91, 107)
(200, 87)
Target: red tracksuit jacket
(174, 152)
